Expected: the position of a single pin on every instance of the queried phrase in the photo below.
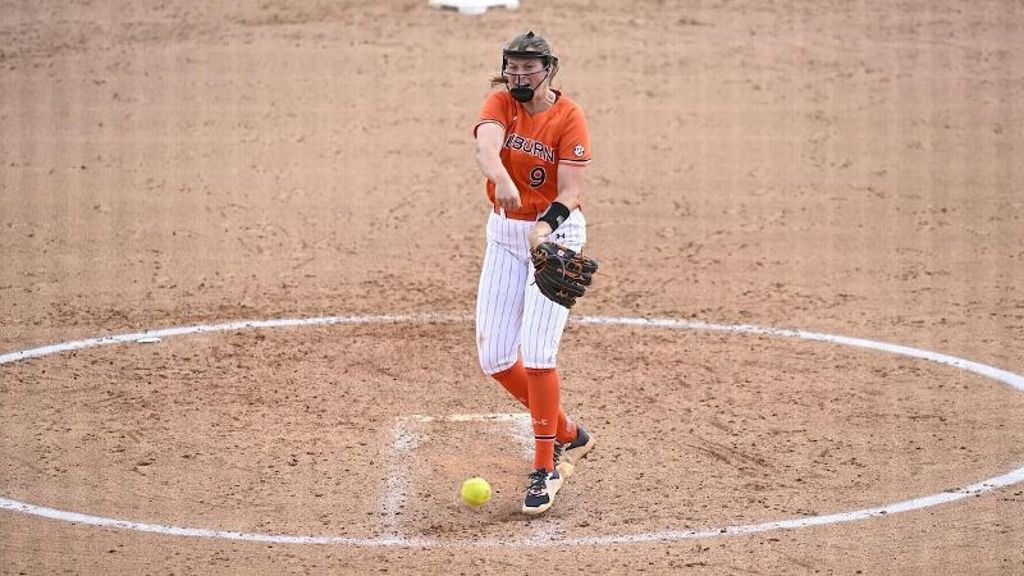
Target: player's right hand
(507, 195)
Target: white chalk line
(500, 417)
(402, 442)
(1008, 479)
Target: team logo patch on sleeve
(579, 150)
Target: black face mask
(522, 93)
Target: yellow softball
(475, 491)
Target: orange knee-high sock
(516, 381)
(545, 400)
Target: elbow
(481, 159)
(484, 154)
(481, 154)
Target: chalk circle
(1008, 479)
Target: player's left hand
(561, 274)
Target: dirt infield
(843, 168)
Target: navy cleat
(541, 493)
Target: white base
(473, 7)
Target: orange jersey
(535, 145)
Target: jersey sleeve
(574, 146)
(495, 111)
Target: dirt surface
(842, 168)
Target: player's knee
(492, 366)
(492, 362)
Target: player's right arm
(489, 138)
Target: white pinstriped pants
(510, 310)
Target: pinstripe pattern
(510, 310)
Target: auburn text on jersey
(529, 146)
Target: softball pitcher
(532, 145)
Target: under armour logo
(541, 422)
(560, 236)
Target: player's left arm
(570, 186)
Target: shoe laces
(559, 453)
(538, 482)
